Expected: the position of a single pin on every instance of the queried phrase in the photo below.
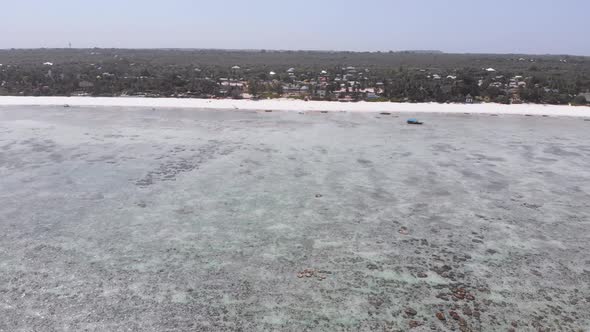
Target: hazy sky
(499, 26)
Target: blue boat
(414, 121)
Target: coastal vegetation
(311, 75)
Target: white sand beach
(299, 105)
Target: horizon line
(418, 51)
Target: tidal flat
(154, 219)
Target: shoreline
(284, 104)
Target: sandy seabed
(299, 105)
(153, 219)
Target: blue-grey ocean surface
(147, 219)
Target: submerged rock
(414, 323)
(411, 312)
